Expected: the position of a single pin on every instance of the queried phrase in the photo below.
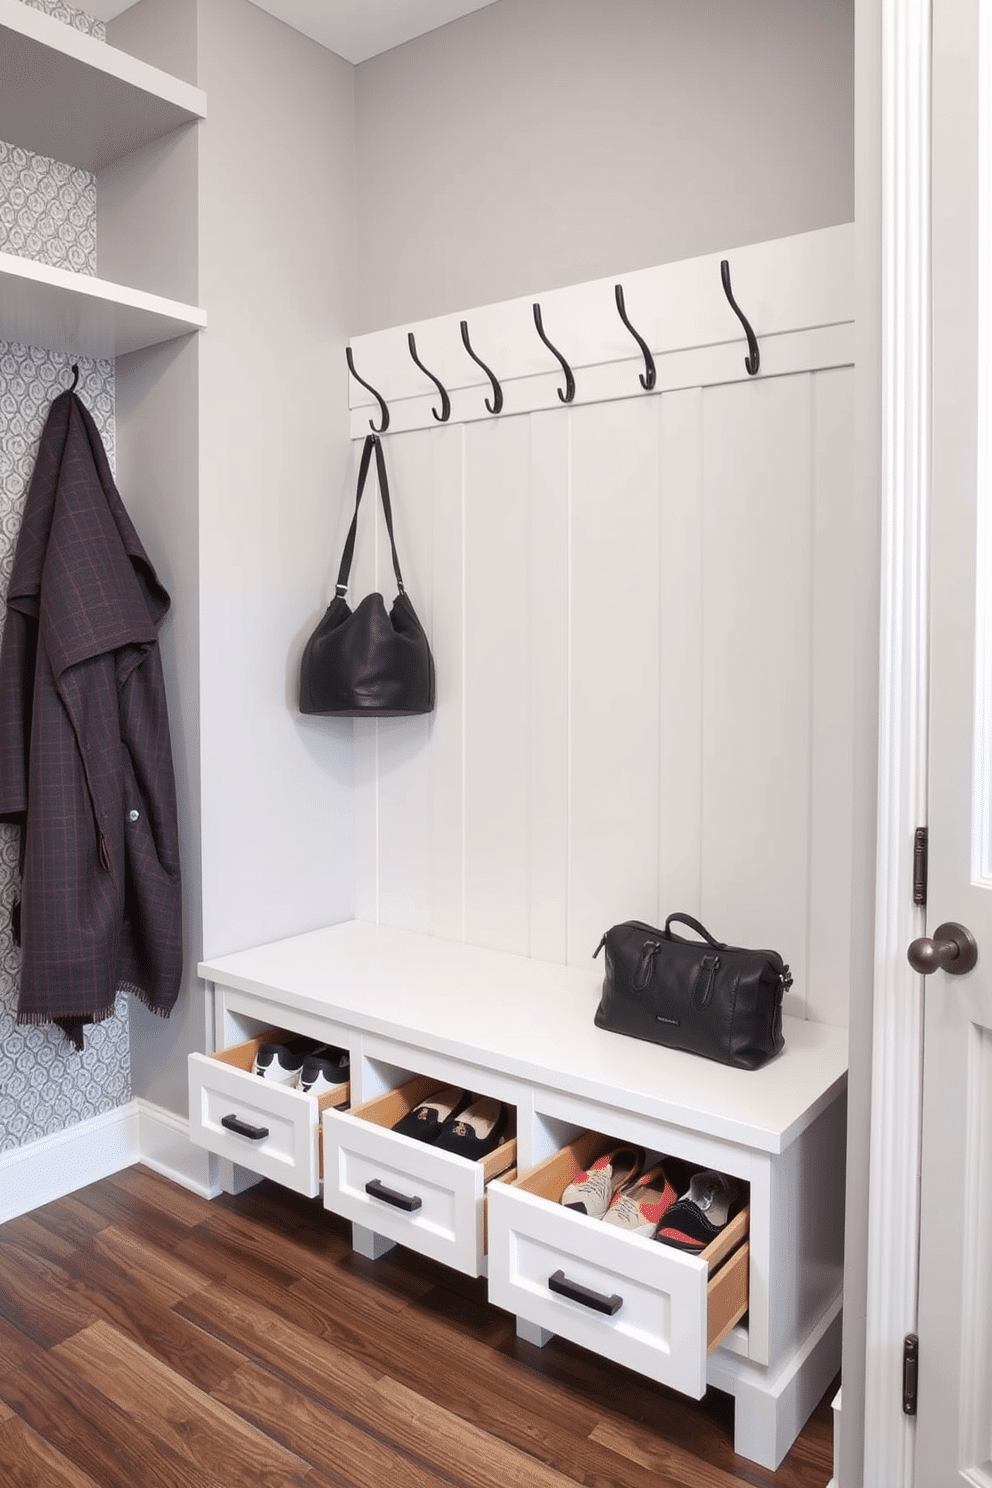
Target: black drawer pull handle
(235, 1124)
(378, 1190)
(559, 1282)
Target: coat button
(133, 815)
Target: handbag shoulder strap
(371, 443)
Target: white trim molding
(164, 1145)
(54, 1166)
(798, 292)
(905, 493)
(57, 1165)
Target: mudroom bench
(757, 1315)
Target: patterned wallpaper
(78, 19)
(47, 213)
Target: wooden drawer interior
(727, 1256)
(386, 1110)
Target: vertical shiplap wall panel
(403, 760)
(680, 672)
(757, 578)
(497, 684)
(446, 785)
(549, 684)
(645, 659)
(614, 619)
(363, 579)
(832, 791)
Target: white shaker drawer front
(429, 1200)
(642, 1304)
(272, 1129)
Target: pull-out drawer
(272, 1129)
(429, 1200)
(636, 1301)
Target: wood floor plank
(16, 1349)
(164, 1276)
(455, 1446)
(113, 1279)
(272, 1210)
(347, 1453)
(296, 1253)
(675, 1465)
(74, 1221)
(165, 1197)
(92, 1433)
(306, 1357)
(29, 1462)
(26, 1231)
(37, 1297)
(114, 1204)
(541, 1423)
(166, 1407)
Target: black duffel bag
(720, 1001)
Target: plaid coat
(85, 754)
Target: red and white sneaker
(700, 1214)
(639, 1209)
(593, 1192)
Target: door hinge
(910, 1372)
(920, 855)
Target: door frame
(903, 430)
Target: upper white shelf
(83, 315)
(75, 99)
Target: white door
(954, 1423)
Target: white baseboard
(164, 1145)
(54, 1166)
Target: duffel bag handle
(684, 919)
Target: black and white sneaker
(325, 1069)
(282, 1063)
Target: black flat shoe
(426, 1121)
(475, 1131)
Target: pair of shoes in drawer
(302, 1063)
(701, 1213)
(617, 1190)
(456, 1121)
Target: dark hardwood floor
(149, 1339)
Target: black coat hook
(753, 361)
(445, 413)
(497, 402)
(384, 411)
(75, 377)
(569, 393)
(649, 375)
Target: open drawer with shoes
(647, 1305)
(270, 1127)
(413, 1191)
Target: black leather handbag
(707, 998)
(364, 662)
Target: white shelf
(75, 99)
(82, 315)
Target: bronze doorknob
(953, 949)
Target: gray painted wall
(530, 146)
